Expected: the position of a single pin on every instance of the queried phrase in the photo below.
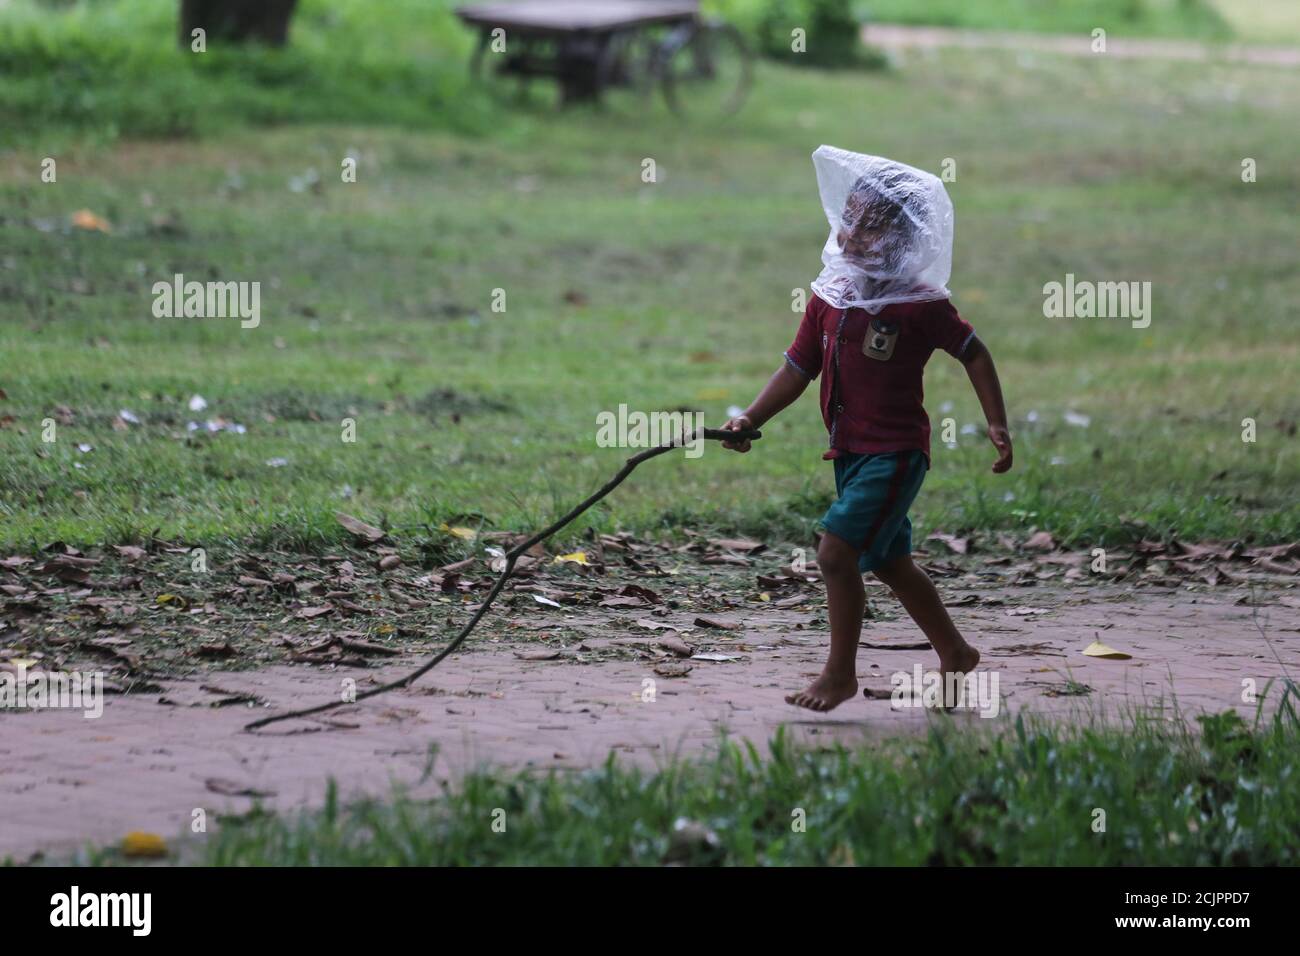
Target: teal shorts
(870, 512)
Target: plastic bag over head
(891, 232)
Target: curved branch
(711, 434)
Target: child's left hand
(1001, 439)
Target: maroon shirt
(873, 406)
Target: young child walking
(879, 309)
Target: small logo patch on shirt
(879, 341)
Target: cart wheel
(625, 71)
(706, 70)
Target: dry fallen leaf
(744, 545)
(366, 532)
(725, 558)
(673, 643)
(636, 590)
(1098, 649)
(955, 544)
(717, 622)
(1041, 541)
(577, 557)
(545, 654)
(655, 625)
(673, 669)
(222, 650)
(85, 219)
(140, 844)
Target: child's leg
(918, 595)
(846, 597)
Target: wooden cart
(593, 48)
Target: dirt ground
(560, 687)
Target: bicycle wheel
(706, 71)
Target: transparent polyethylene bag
(891, 232)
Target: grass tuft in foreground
(1031, 794)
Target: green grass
(377, 300)
(1026, 795)
(110, 68)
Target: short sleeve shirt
(871, 369)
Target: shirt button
(839, 408)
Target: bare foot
(964, 661)
(825, 693)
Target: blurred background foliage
(111, 68)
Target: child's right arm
(803, 362)
(782, 388)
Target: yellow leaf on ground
(137, 843)
(1098, 649)
(468, 534)
(577, 557)
(85, 219)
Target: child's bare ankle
(961, 659)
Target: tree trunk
(237, 21)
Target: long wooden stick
(711, 434)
